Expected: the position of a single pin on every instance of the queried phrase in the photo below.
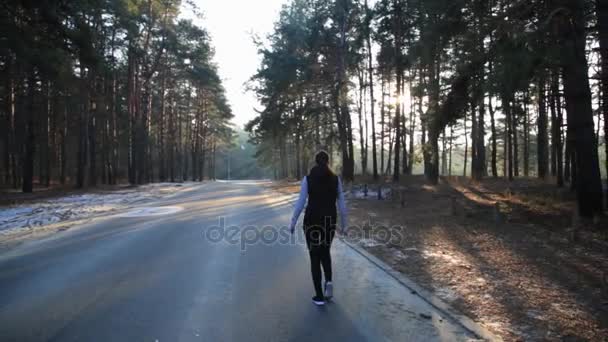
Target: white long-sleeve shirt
(304, 196)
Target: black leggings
(318, 240)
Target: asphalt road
(165, 278)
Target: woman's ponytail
(322, 161)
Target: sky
(231, 24)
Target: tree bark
(397, 60)
(578, 105)
(494, 140)
(508, 164)
(480, 153)
(515, 141)
(30, 137)
(466, 146)
(602, 19)
(370, 70)
(382, 123)
(542, 140)
(361, 132)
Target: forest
(106, 92)
(389, 86)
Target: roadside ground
(507, 255)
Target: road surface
(162, 276)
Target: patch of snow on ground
(75, 207)
(368, 242)
(446, 294)
(399, 255)
(372, 193)
(151, 211)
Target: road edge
(426, 295)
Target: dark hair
(322, 158)
(322, 168)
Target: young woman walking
(322, 188)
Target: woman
(323, 188)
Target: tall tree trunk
(30, 136)
(404, 156)
(526, 134)
(48, 110)
(494, 139)
(8, 122)
(508, 164)
(340, 105)
(481, 12)
(480, 153)
(83, 134)
(366, 135)
(391, 138)
(370, 70)
(63, 138)
(432, 167)
(568, 154)
(578, 105)
(143, 173)
(162, 169)
(113, 175)
(132, 110)
(466, 146)
(515, 140)
(397, 125)
(92, 133)
(451, 146)
(397, 60)
(412, 127)
(602, 20)
(558, 133)
(444, 154)
(171, 142)
(474, 138)
(382, 123)
(12, 177)
(542, 140)
(361, 132)
(555, 134)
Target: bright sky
(231, 24)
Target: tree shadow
(553, 268)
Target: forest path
(162, 278)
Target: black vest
(322, 195)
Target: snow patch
(399, 255)
(151, 211)
(368, 242)
(359, 192)
(446, 294)
(82, 206)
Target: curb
(427, 296)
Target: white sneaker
(329, 290)
(318, 300)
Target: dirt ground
(504, 254)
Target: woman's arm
(342, 206)
(299, 204)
